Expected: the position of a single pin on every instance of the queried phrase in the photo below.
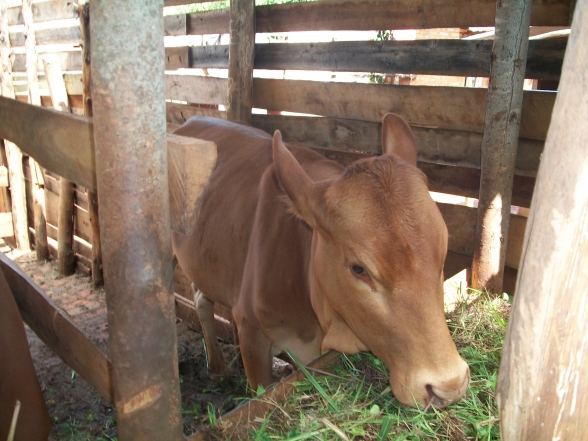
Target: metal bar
(131, 165)
(499, 143)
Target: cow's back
(244, 235)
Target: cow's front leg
(256, 354)
(205, 311)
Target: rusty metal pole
(131, 164)
(500, 142)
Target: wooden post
(241, 58)
(65, 226)
(543, 378)
(38, 179)
(84, 15)
(500, 141)
(13, 154)
(128, 85)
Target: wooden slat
(210, 22)
(49, 36)
(45, 11)
(449, 108)
(175, 24)
(179, 113)
(71, 60)
(349, 15)
(241, 60)
(176, 58)
(68, 151)
(64, 143)
(461, 181)
(57, 330)
(182, 2)
(448, 147)
(427, 57)
(190, 164)
(461, 222)
(196, 89)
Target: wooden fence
(342, 119)
(448, 121)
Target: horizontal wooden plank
(461, 223)
(349, 15)
(64, 143)
(179, 113)
(182, 2)
(175, 24)
(449, 108)
(65, 35)
(468, 58)
(70, 60)
(209, 22)
(57, 330)
(460, 181)
(448, 147)
(176, 58)
(196, 89)
(69, 150)
(45, 11)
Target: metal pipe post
(131, 164)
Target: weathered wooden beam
(65, 254)
(542, 388)
(42, 11)
(449, 108)
(13, 154)
(369, 15)
(84, 17)
(69, 152)
(132, 177)
(470, 58)
(447, 147)
(57, 331)
(196, 89)
(41, 245)
(499, 143)
(241, 58)
(70, 35)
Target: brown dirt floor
(78, 411)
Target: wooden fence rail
(464, 58)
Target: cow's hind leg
(205, 311)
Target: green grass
(356, 403)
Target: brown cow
(313, 256)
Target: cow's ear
(397, 138)
(301, 190)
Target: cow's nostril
(434, 400)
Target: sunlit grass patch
(355, 402)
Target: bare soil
(78, 411)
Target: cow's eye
(358, 270)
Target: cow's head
(378, 250)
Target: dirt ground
(77, 411)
